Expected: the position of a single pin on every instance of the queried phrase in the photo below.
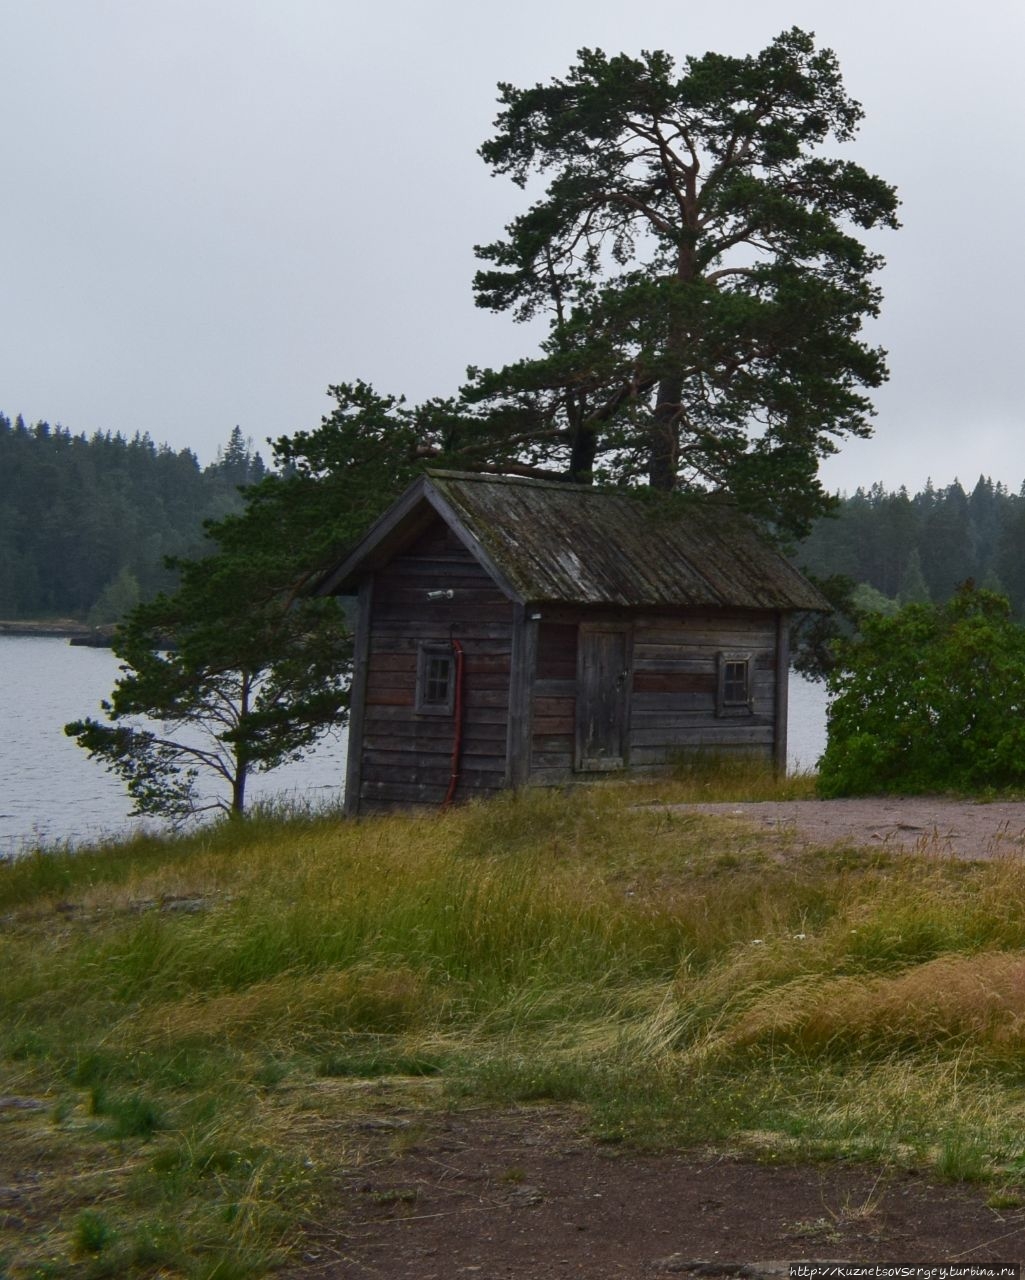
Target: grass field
(185, 1025)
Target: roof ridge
(578, 545)
(641, 492)
(487, 477)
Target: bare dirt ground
(524, 1193)
(923, 824)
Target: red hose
(457, 739)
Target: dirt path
(930, 824)
(522, 1193)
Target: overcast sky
(214, 209)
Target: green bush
(931, 699)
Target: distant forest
(85, 522)
(906, 548)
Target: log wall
(675, 676)
(671, 707)
(406, 756)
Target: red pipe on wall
(457, 736)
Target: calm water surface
(806, 737)
(50, 790)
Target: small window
(435, 680)
(734, 688)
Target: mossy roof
(548, 542)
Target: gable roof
(546, 542)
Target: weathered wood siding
(675, 673)
(406, 757)
(671, 708)
(553, 718)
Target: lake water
(50, 790)
(806, 737)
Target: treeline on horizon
(86, 522)
(903, 548)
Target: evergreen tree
(947, 548)
(117, 598)
(1009, 562)
(913, 587)
(920, 548)
(693, 253)
(984, 512)
(241, 665)
(78, 512)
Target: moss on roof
(550, 542)
(580, 545)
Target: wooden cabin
(514, 632)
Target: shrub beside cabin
(515, 632)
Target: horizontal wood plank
(553, 742)
(377, 697)
(674, 682)
(393, 662)
(714, 638)
(431, 776)
(414, 603)
(484, 664)
(554, 706)
(721, 733)
(550, 776)
(476, 629)
(377, 679)
(393, 643)
(435, 729)
(402, 793)
(555, 688)
(664, 708)
(430, 793)
(555, 724)
(437, 538)
(551, 760)
(383, 714)
(468, 622)
(653, 709)
(443, 564)
(409, 765)
(375, 805)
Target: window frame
(429, 651)
(733, 705)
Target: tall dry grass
(679, 978)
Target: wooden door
(602, 689)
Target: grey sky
(213, 209)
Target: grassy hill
(187, 1027)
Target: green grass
(193, 1014)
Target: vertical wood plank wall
(406, 757)
(672, 703)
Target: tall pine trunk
(241, 776)
(664, 437)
